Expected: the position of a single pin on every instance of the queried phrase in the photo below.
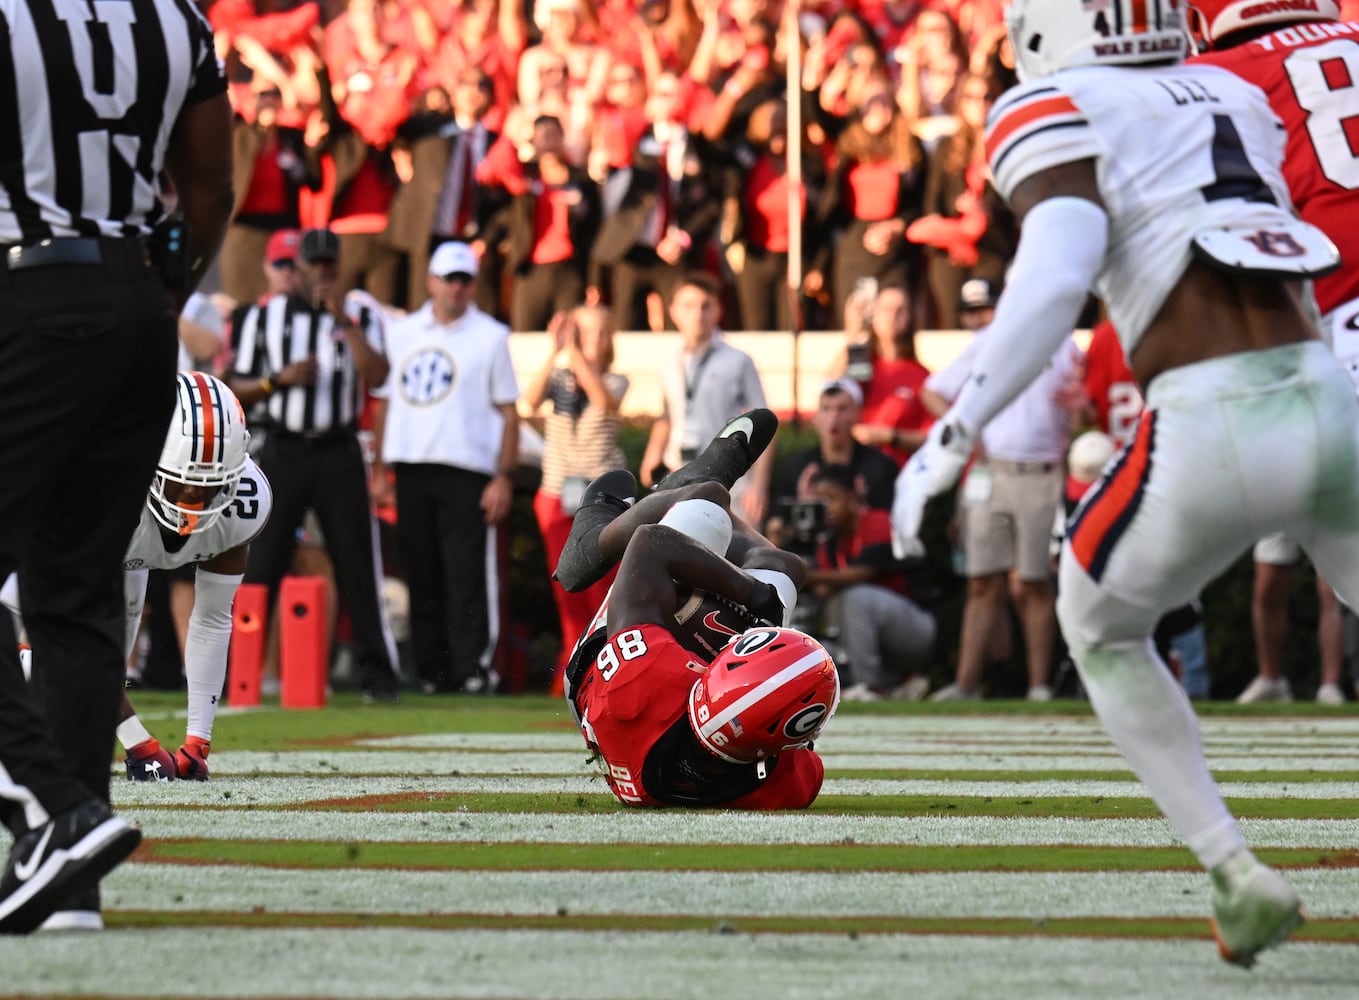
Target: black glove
(765, 606)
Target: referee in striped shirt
(302, 362)
(98, 103)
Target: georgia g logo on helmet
(804, 723)
(753, 641)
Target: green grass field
(465, 848)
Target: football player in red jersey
(1306, 60)
(674, 730)
(696, 586)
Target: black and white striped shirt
(267, 338)
(89, 94)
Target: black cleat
(79, 913)
(582, 564)
(730, 455)
(68, 854)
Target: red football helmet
(1215, 18)
(770, 689)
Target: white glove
(933, 469)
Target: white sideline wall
(639, 356)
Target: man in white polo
(447, 426)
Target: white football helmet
(206, 446)
(1051, 35)
(1215, 18)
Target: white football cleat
(1254, 908)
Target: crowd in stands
(607, 161)
(596, 151)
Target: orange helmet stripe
(209, 416)
(1139, 16)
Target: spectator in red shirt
(756, 225)
(272, 163)
(880, 354)
(874, 191)
(551, 223)
(618, 121)
(887, 637)
(487, 35)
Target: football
(705, 623)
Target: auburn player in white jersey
(1159, 185)
(206, 503)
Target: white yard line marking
(675, 827)
(554, 965)
(839, 739)
(230, 790)
(1034, 895)
(439, 762)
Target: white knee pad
(703, 521)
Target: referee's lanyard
(689, 440)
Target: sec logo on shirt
(427, 377)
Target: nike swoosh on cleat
(24, 870)
(745, 425)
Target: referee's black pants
(442, 536)
(87, 361)
(327, 475)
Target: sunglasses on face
(286, 264)
(457, 278)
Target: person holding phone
(580, 431)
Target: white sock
(1150, 721)
(202, 708)
(131, 732)
(783, 583)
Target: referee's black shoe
(582, 564)
(730, 455)
(69, 853)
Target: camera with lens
(806, 525)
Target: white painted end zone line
(1030, 895)
(448, 762)
(384, 964)
(675, 827)
(230, 791)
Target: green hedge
(1226, 601)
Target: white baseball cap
(848, 386)
(453, 258)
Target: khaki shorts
(1008, 509)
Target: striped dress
(581, 439)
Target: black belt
(1023, 468)
(63, 251)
